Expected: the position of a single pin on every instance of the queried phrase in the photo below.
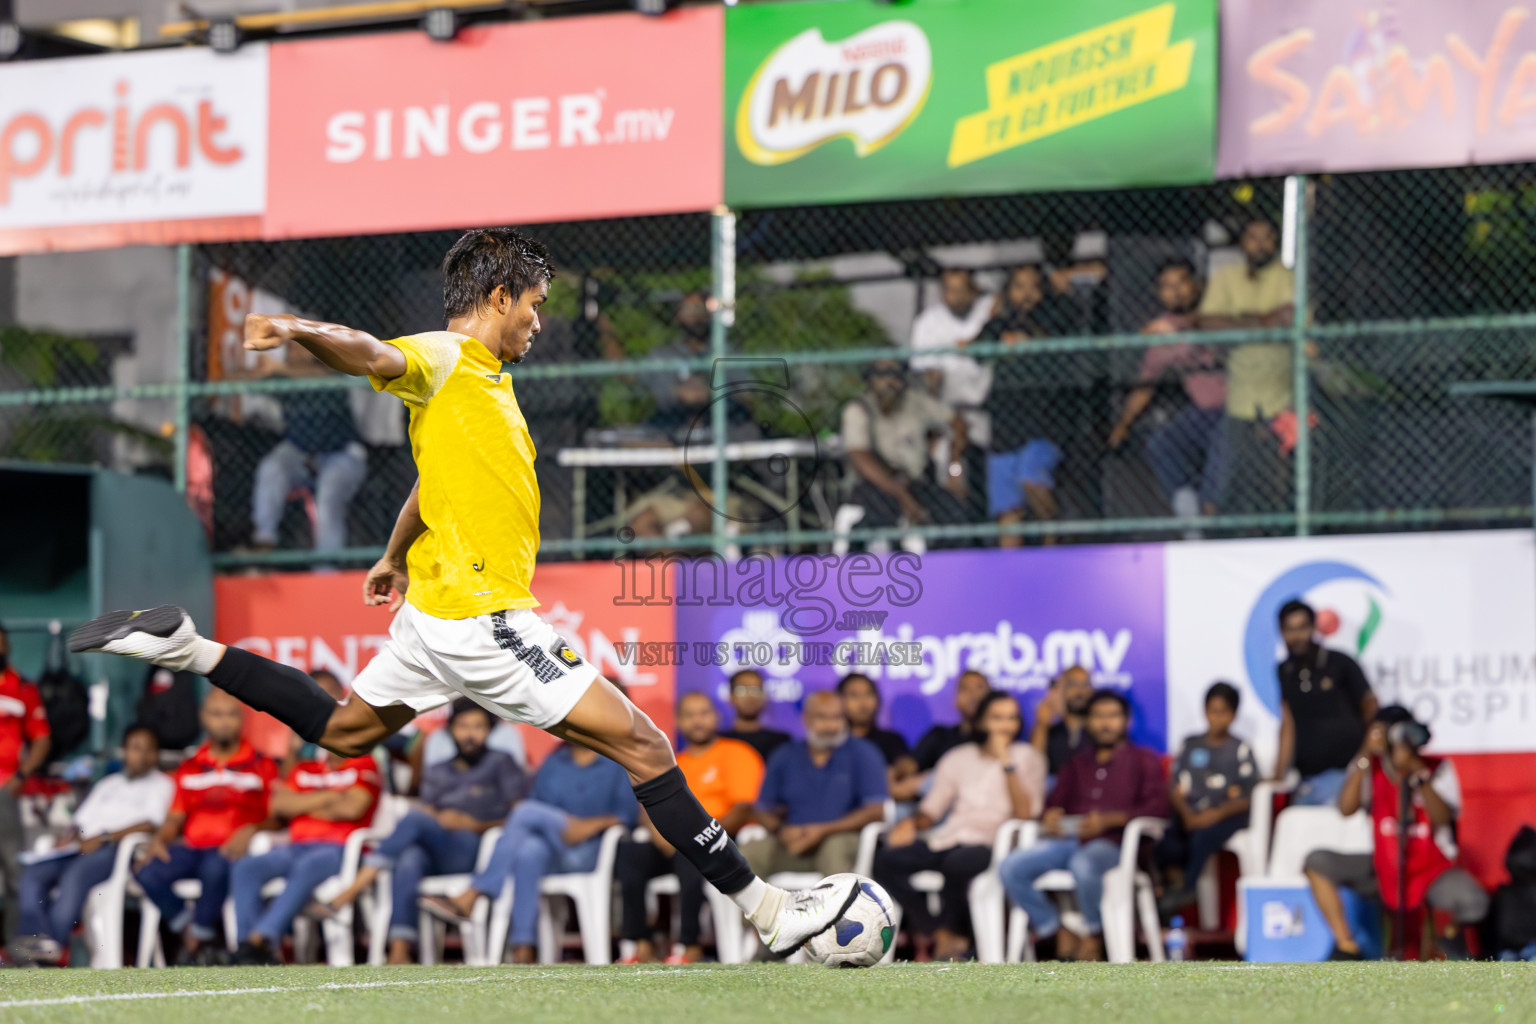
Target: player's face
(1296, 631)
(221, 718)
(140, 753)
(861, 702)
(697, 720)
(521, 323)
(1106, 724)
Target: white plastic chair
(590, 891)
(104, 907)
(1128, 896)
(1298, 832)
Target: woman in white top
(976, 788)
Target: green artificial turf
(927, 993)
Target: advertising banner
(1345, 85)
(318, 621)
(166, 146)
(915, 623)
(1442, 623)
(828, 102)
(605, 116)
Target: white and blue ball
(861, 937)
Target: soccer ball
(861, 937)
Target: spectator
(1260, 292)
(1213, 782)
(1391, 755)
(24, 744)
(54, 891)
(970, 689)
(324, 800)
(1325, 703)
(462, 799)
(1187, 453)
(976, 787)
(959, 381)
(1097, 793)
(748, 701)
(321, 449)
(1030, 404)
(1061, 718)
(817, 794)
(222, 798)
(886, 432)
(577, 796)
(861, 702)
(725, 775)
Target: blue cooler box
(1283, 924)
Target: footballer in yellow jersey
(459, 570)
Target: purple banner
(915, 623)
(1345, 85)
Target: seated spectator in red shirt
(23, 750)
(222, 797)
(54, 891)
(325, 800)
(1097, 793)
(976, 787)
(1391, 755)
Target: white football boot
(163, 636)
(809, 912)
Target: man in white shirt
(54, 891)
(962, 382)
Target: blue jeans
(69, 880)
(1190, 451)
(335, 477)
(1087, 863)
(1320, 790)
(530, 848)
(206, 865)
(304, 865)
(419, 847)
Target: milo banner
(836, 101)
(1346, 85)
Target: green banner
(851, 100)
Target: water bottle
(1177, 942)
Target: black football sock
(682, 822)
(285, 693)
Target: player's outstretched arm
(352, 352)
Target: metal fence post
(1296, 189)
(722, 264)
(183, 397)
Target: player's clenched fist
(264, 332)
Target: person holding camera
(1392, 756)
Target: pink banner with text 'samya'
(604, 116)
(1339, 85)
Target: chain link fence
(1118, 365)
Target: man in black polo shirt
(749, 700)
(1325, 703)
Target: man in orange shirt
(725, 775)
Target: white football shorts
(511, 663)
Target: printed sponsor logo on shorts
(563, 651)
(539, 663)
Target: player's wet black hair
(486, 257)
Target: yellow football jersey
(479, 495)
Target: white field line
(328, 987)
